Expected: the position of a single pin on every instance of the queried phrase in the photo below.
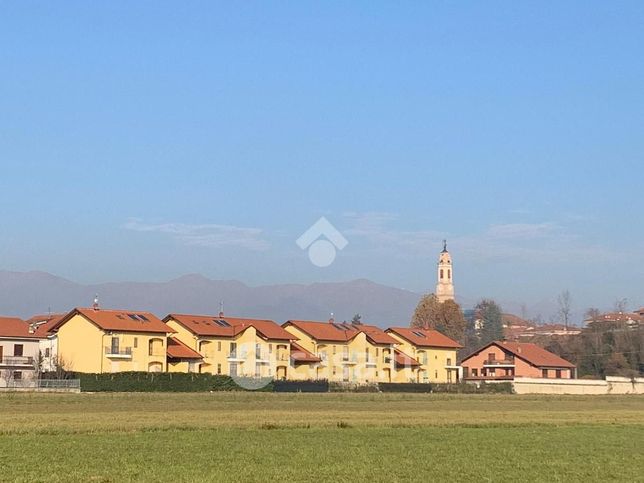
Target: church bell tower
(445, 285)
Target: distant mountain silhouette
(24, 294)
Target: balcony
(236, 356)
(117, 353)
(17, 361)
(350, 360)
(499, 363)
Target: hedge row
(157, 382)
(191, 382)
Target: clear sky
(146, 140)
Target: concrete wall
(612, 385)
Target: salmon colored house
(19, 345)
(503, 361)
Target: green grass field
(320, 437)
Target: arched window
(449, 274)
(441, 274)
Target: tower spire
(445, 284)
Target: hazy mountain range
(27, 293)
(24, 294)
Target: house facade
(19, 348)
(235, 346)
(434, 355)
(182, 358)
(504, 360)
(96, 341)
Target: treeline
(602, 349)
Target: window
(258, 352)
(219, 346)
(17, 350)
(544, 373)
(218, 368)
(367, 355)
(441, 274)
(449, 274)
(475, 372)
(558, 373)
(449, 361)
(17, 375)
(436, 374)
(270, 348)
(233, 349)
(136, 342)
(115, 345)
(333, 350)
(47, 352)
(258, 369)
(491, 356)
(376, 352)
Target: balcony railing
(17, 361)
(124, 352)
(499, 362)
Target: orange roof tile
(119, 320)
(43, 324)
(15, 327)
(376, 335)
(425, 337)
(178, 350)
(334, 332)
(300, 354)
(403, 360)
(215, 326)
(529, 352)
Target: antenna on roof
(221, 308)
(331, 320)
(95, 306)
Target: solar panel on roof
(419, 334)
(133, 317)
(339, 327)
(144, 318)
(221, 323)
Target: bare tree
(7, 377)
(565, 307)
(621, 305)
(592, 314)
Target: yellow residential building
(434, 352)
(96, 340)
(346, 352)
(235, 346)
(182, 358)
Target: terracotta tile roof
(376, 335)
(15, 327)
(534, 354)
(43, 324)
(300, 354)
(529, 352)
(425, 338)
(403, 360)
(178, 350)
(119, 320)
(215, 326)
(334, 332)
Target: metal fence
(43, 384)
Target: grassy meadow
(236, 436)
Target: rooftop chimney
(95, 305)
(221, 309)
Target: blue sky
(144, 141)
